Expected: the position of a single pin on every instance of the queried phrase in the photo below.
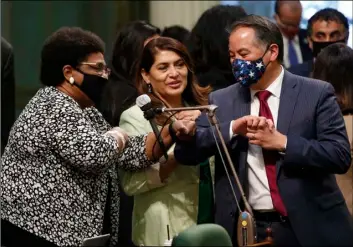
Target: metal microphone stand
(246, 227)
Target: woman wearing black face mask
(59, 169)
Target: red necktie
(270, 157)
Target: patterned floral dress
(57, 167)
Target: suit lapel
(242, 108)
(242, 102)
(289, 94)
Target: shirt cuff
(285, 148)
(231, 134)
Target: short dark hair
(177, 32)
(66, 46)
(334, 64)
(327, 14)
(266, 31)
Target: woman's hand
(188, 115)
(120, 136)
(184, 129)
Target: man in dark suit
(288, 171)
(288, 15)
(7, 91)
(325, 27)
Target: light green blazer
(157, 204)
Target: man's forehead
(241, 34)
(327, 26)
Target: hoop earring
(149, 90)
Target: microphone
(208, 108)
(144, 102)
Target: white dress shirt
(296, 48)
(259, 192)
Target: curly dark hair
(66, 46)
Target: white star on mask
(251, 74)
(259, 65)
(248, 62)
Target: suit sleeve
(203, 145)
(330, 151)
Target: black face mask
(93, 86)
(318, 46)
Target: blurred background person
(167, 194)
(59, 169)
(334, 64)
(7, 91)
(121, 93)
(177, 32)
(288, 15)
(325, 27)
(208, 45)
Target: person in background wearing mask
(288, 15)
(287, 138)
(325, 27)
(59, 174)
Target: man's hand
(184, 129)
(267, 138)
(188, 115)
(241, 126)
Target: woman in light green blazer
(166, 194)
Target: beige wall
(184, 13)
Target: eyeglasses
(99, 67)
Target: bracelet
(172, 132)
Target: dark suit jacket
(304, 45)
(303, 69)
(7, 91)
(317, 148)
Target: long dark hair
(334, 64)
(120, 92)
(208, 43)
(193, 93)
(128, 47)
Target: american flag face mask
(248, 72)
